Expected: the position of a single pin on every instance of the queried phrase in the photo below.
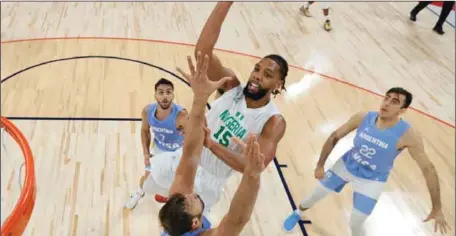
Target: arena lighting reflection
(317, 63)
(393, 210)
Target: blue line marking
(290, 198)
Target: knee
(150, 186)
(363, 203)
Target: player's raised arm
(206, 43)
(194, 135)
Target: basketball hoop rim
(17, 221)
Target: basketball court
(75, 77)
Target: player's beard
(164, 106)
(254, 96)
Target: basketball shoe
(290, 222)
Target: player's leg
(155, 151)
(305, 8)
(446, 9)
(333, 181)
(160, 197)
(327, 26)
(158, 175)
(365, 196)
(208, 187)
(421, 5)
(163, 169)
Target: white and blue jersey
(375, 150)
(166, 135)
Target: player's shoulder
(235, 88)
(411, 135)
(360, 115)
(233, 82)
(229, 96)
(182, 112)
(276, 124)
(277, 119)
(358, 118)
(149, 107)
(179, 108)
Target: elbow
(239, 222)
(145, 132)
(334, 138)
(243, 221)
(428, 169)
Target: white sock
(318, 193)
(140, 191)
(299, 212)
(357, 219)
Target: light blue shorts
(365, 192)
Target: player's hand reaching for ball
(255, 160)
(202, 87)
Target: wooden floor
(86, 169)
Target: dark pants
(446, 9)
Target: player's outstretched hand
(255, 160)
(202, 87)
(440, 222)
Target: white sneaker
(133, 201)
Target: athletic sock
(318, 193)
(357, 220)
(140, 191)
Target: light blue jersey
(374, 150)
(166, 136)
(367, 166)
(206, 226)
